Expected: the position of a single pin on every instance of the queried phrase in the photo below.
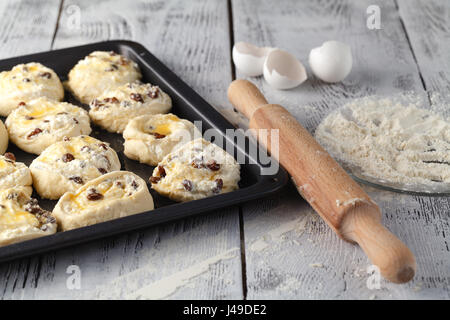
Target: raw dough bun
(113, 109)
(14, 174)
(150, 138)
(67, 165)
(42, 122)
(21, 218)
(26, 82)
(114, 195)
(197, 170)
(3, 138)
(98, 72)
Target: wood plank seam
(241, 218)
(408, 40)
(61, 5)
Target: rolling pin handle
(245, 97)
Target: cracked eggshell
(331, 62)
(283, 71)
(249, 59)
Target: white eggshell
(332, 62)
(249, 59)
(283, 71)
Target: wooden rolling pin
(336, 197)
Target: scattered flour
(278, 234)
(390, 140)
(167, 286)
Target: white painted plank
(427, 24)
(198, 257)
(27, 26)
(290, 253)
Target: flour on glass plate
(391, 140)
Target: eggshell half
(283, 71)
(249, 59)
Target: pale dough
(197, 170)
(14, 174)
(114, 195)
(67, 165)
(149, 138)
(26, 82)
(41, 122)
(113, 109)
(21, 218)
(99, 72)
(3, 138)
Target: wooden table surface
(274, 248)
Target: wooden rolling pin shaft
(333, 194)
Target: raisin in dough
(114, 195)
(67, 165)
(21, 218)
(41, 122)
(3, 138)
(148, 139)
(26, 82)
(113, 109)
(100, 71)
(14, 174)
(197, 170)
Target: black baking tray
(186, 104)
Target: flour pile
(391, 141)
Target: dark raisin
(123, 61)
(135, 185)
(213, 165)
(21, 104)
(161, 171)
(33, 133)
(120, 184)
(111, 100)
(32, 206)
(157, 135)
(198, 163)
(44, 227)
(153, 93)
(66, 138)
(102, 170)
(113, 67)
(103, 146)
(95, 103)
(47, 75)
(27, 117)
(76, 179)
(153, 179)
(93, 195)
(85, 149)
(219, 186)
(67, 157)
(187, 184)
(75, 120)
(136, 97)
(10, 157)
(26, 80)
